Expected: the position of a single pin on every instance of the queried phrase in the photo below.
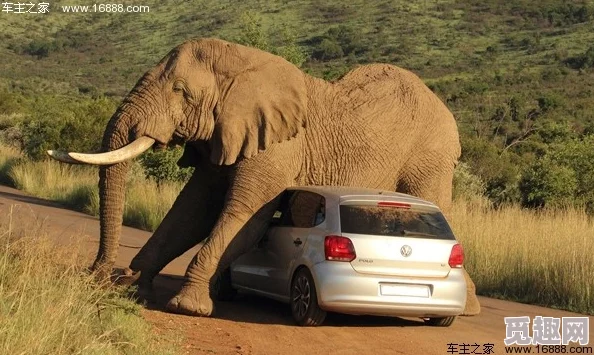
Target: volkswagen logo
(406, 250)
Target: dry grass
(544, 257)
(49, 304)
(147, 203)
(70, 185)
(76, 187)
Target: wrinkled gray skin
(255, 124)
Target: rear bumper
(341, 289)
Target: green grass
(49, 304)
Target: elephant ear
(265, 104)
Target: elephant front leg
(243, 221)
(190, 221)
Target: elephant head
(238, 100)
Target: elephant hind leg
(473, 307)
(435, 185)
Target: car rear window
(397, 222)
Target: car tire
(304, 300)
(224, 290)
(440, 322)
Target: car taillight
(456, 256)
(339, 248)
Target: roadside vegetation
(49, 304)
(539, 257)
(76, 187)
(543, 257)
(518, 76)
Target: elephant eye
(178, 86)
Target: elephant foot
(102, 271)
(473, 307)
(191, 301)
(143, 292)
(127, 277)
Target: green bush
(583, 61)
(328, 49)
(500, 170)
(55, 124)
(279, 40)
(564, 175)
(547, 184)
(466, 185)
(161, 165)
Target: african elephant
(254, 124)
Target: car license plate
(404, 290)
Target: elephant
(254, 124)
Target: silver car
(355, 251)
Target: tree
(252, 31)
(280, 40)
(546, 183)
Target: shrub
(280, 40)
(547, 184)
(252, 31)
(466, 185)
(161, 165)
(55, 124)
(328, 49)
(582, 61)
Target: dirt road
(252, 325)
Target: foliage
(252, 34)
(562, 176)
(548, 184)
(328, 49)
(584, 60)
(516, 74)
(280, 40)
(466, 185)
(54, 123)
(161, 165)
(337, 42)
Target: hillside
(518, 75)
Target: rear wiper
(419, 234)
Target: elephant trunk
(112, 188)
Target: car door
(286, 241)
(267, 268)
(253, 270)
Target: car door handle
(297, 241)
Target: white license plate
(404, 290)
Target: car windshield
(397, 222)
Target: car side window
(281, 216)
(306, 210)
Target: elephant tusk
(127, 152)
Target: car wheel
(440, 322)
(304, 300)
(224, 290)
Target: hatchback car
(355, 251)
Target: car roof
(341, 193)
